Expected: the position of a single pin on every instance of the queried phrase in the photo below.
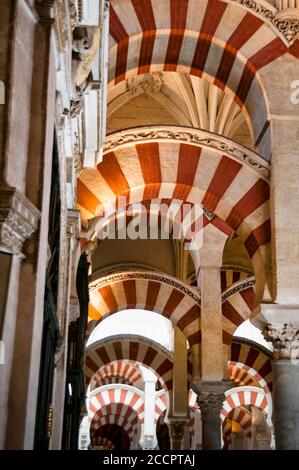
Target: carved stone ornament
(187, 135)
(286, 21)
(145, 83)
(210, 405)
(285, 340)
(18, 219)
(238, 287)
(177, 428)
(150, 276)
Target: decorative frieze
(18, 219)
(189, 135)
(285, 340)
(238, 287)
(98, 283)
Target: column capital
(211, 397)
(18, 219)
(285, 340)
(177, 425)
(279, 324)
(210, 405)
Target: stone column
(210, 407)
(18, 221)
(213, 363)
(66, 260)
(179, 405)
(38, 95)
(177, 427)
(285, 373)
(148, 438)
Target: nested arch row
(233, 187)
(169, 297)
(249, 365)
(240, 415)
(211, 38)
(235, 192)
(115, 397)
(116, 413)
(131, 348)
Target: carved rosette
(210, 405)
(285, 340)
(18, 219)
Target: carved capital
(285, 340)
(210, 405)
(44, 9)
(177, 428)
(18, 219)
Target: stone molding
(120, 267)
(285, 22)
(192, 136)
(238, 287)
(18, 219)
(107, 280)
(285, 340)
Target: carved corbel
(18, 219)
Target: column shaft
(286, 404)
(211, 324)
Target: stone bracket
(18, 219)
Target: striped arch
(240, 415)
(132, 348)
(236, 192)
(122, 395)
(162, 403)
(162, 294)
(174, 170)
(250, 364)
(117, 413)
(231, 276)
(245, 396)
(238, 302)
(211, 38)
(120, 371)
